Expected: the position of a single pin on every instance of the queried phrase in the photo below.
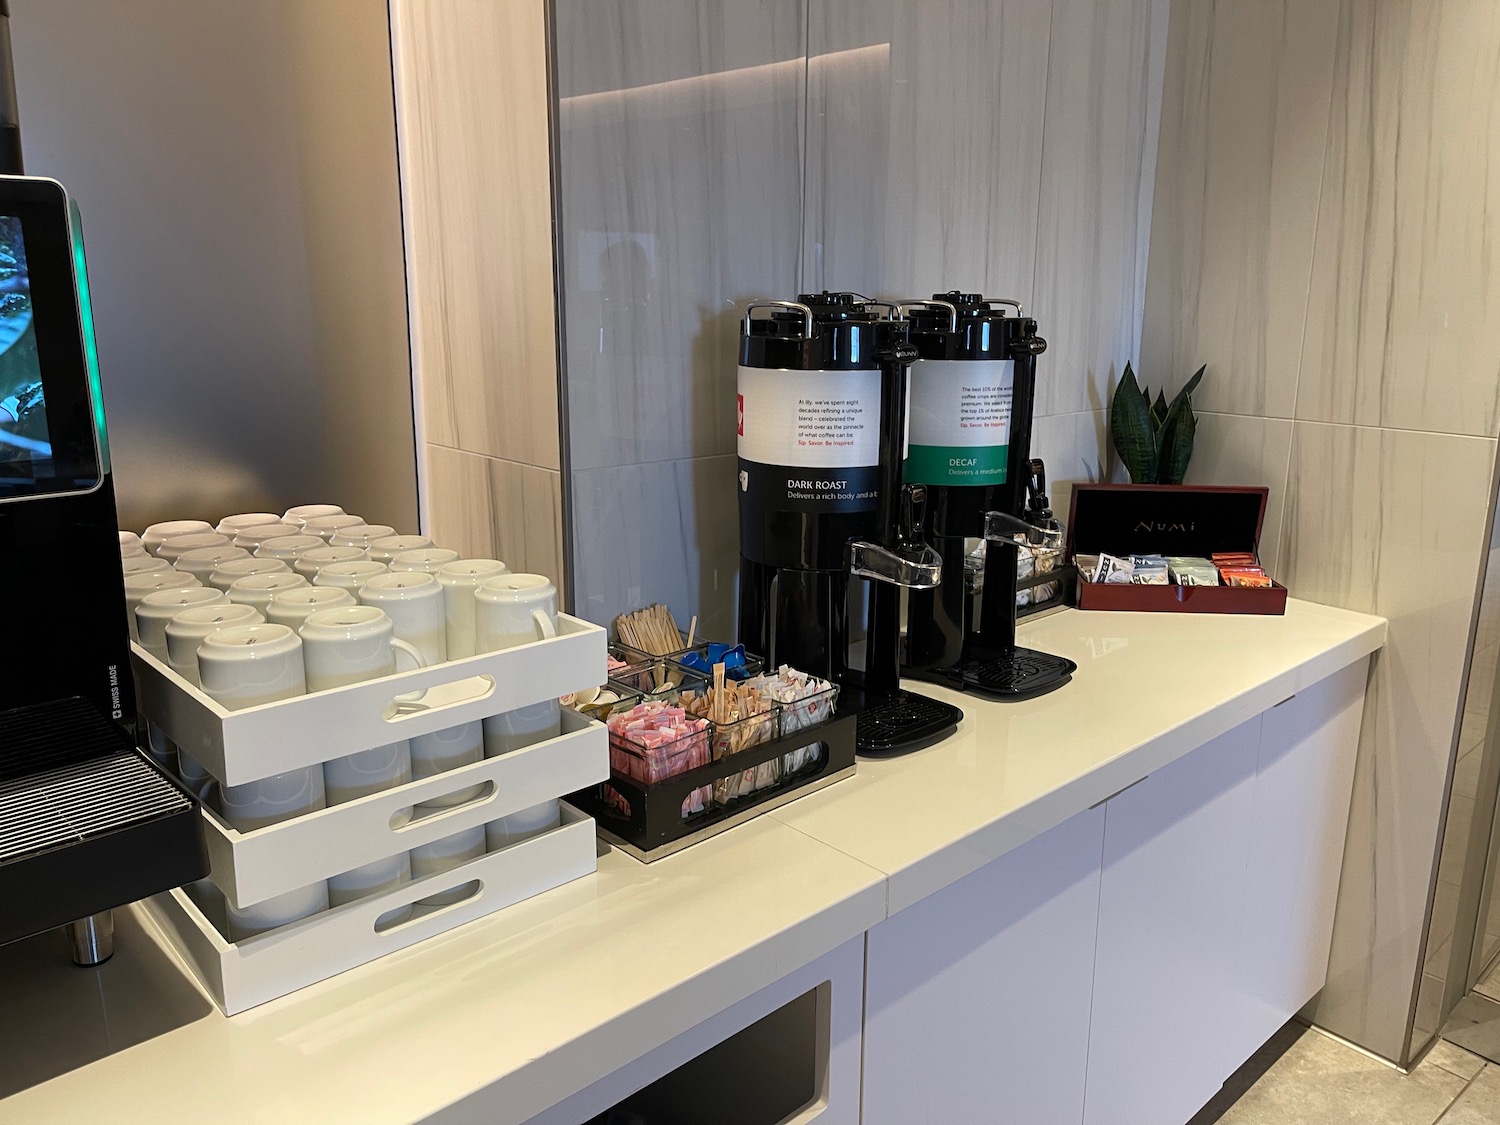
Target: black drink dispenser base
(971, 404)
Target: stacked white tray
(249, 867)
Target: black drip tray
(1017, 673)
(86, 822)
(903, 722)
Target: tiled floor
(1319, 1081)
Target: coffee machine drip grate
(1017, 673)
(73, 778)
(903, 722)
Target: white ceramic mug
(309, 562)
(360, 535)
(271, 800)
(158, 533)
(522, 825)
(351, 644)
(287, 547)
(203, 561)
(275, 912)
(142, 564)
(298, 514)
(349, 575)
(232, 525)
(324, 526)
(428, 560)
(252, 537)
(137, 586)
(444, 855)
(227, 573)
(259, 589)
(414, 603)
(244, 666)
(383, 550)
(129, 540)
(444, 750)
(346, 646)
(293, 607)
(514, 609)
(378, 878)
(247, 665)
(133, 551)
(157, 610)
(188, 627)
(179, 545)
(459, 580)
(522, 727)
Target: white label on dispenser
(809, 440)
(959, 418)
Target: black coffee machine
(87, 823)
(829, 535)
(972, 394)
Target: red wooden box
(1166, 519)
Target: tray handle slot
(408, 817)
(441, 698)
(468, 891)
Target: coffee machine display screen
(50, 420)
(24, 441)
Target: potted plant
(1154, 440)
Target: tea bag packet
(1113, 570)
(1148, 570)
(1189, 570)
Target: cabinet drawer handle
(1117, 792)
(1288, 699)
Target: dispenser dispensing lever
(910, 562)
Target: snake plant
(1154, 439)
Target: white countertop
(544, 998)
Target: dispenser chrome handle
(807, 314)
(895, 308)
(1011, 301)
(952, 310)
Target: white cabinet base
(977, 998)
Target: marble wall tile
(1076, 450)
(679, 142)
(1403, 326)
(472, 115)
(1240, 160)
(1099, 153)
(1390, 522)
(667, 531)
(924, 142)
(484, 507)
(1237, 449)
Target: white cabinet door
(1167, 1024)
(1302, 788)
(977, 998)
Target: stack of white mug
(265, 607)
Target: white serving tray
(257, 742)
(250, 867)
(241, 975)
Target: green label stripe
(956, 464)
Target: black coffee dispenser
(822, 394)
(972, 395)
(87, 823)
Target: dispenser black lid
(825, 331)
(959, 325)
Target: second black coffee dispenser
(828, 534)
(972, 396)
